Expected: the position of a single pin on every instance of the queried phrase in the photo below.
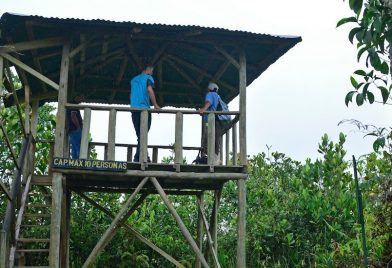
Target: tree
(372, 35)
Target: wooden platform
(190, 177)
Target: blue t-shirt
(213, 99)
(139, 93)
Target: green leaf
(384, 68)
(345, 20)
(356, 5)
(359, 99)
(352, 33)
(388, 35)
(370, 97)
(380, 142)
(360, 72)
(361, 51)
(354, 82)
(375, 59)
(377, 24)
(365, 88)
(384, 93)
(349, 97)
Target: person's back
(139, 93)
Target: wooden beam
(143, 137)
(234, 144)
(5, 190)
(35, 44)
(211, 139)
(27, 109)
(82, 55)
(80, 48)
(132, 52)
(180, 223)
(178, 139)
(9, 145)
(228, 57)
(133, 231)
(184, 74)
(34, 118)
(200, 204)
(122, 70)
(65, 226)
(241, 231)
(110, 232)
(30, 70)
(159, 53)
(84, 143)
(221, 71)
(4, 248)
(112, 135)
(105, 46)
(227, 148)
(209, 238)
(155, 155)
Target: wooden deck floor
(190, 178)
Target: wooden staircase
(32, 228)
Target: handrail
(9, 220)
(129, 109)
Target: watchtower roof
(107, 54)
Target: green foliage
(373, 35)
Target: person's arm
(151, 93)
(205, 107)
(75, 120)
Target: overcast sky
(291, 105)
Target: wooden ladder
(32, 230)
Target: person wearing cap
(74, 124)
(142, 92)
(210, 104)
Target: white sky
(291, 105)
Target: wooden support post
(143, 137)
(200, 205)
(133, 231)
(65, 226)
(178, 141)
(27, 108)
(155, 155)
(241, 230)
(85, 134)
(34, 118)
(57, 180)
(122, 215)
(129, 153)
(4, 249)
(235, 156)
(215, 212)
(50, 158)
(105, 152)
(112, 135)
(227, 160)
(180, 223)
(211, 139)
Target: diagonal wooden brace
(121, 216)
(180, 223)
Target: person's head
(212, 87)
(78, 99)
(148, 68)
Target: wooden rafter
(122, 70)
(132, 52)
(184, 74)
(228, 56)
(82, 55)
(81, 47)
(34, 44)
(105, 46)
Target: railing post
(234, 144)
(211, 139)
(155, 155)
(112, 135)
(143, 136)
(129, 153)
(178, 140)
(227, 140)
(85, 134)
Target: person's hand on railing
(202, 110)
(157, 106)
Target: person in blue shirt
(74, 127)
(142, 94)
(211, 104)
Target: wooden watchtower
(59, 58)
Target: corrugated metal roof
(190, 59)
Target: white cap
(212, 86)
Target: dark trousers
(136, 125)
(218, 138)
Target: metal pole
(360, 214)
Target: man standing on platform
(142, 92)
(74, 127)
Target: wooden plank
(235, 145)
(155, 155)
(180, 223)
(112, 135)
(242, 122)
(200, 205)
(30, 70)
(35, 44)
(178, 139)
(143, 136)
(27, 108)
(228, 57)
(241, 231)
(54, 249)
(65, 226)
(209, 238)
(110, 232)
(84, 144)
(211, 139)
(227, 149)
(133, 231)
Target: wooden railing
(110, 146)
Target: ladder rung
(34, 240)
(33, 250)
(39, 215)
